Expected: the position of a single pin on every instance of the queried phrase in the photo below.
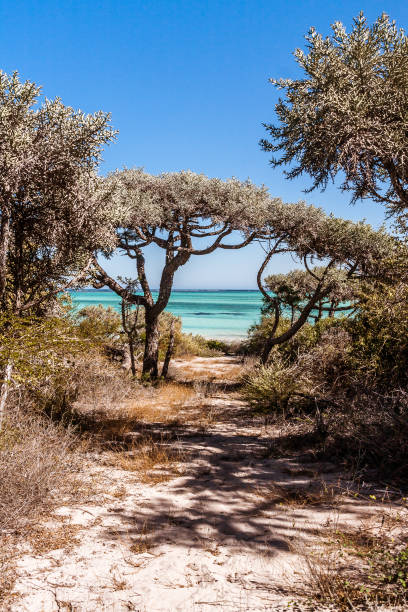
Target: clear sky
(186, 82)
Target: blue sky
(187, 85)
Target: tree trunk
(4, 247)
(169, 352)
(132, 355)
(4, 391)
(288, 334)
(151, 353)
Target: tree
(175, 211)
(348, 113)
(346, 251)
(50, 217)
(294, 289)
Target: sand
(206, 540)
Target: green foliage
(218, 345)
(270, 388)
(347, 114)
(100, 324)
(306, 338)
(51, 213)
(165, 321)
(194, 344)
(379, 334)
(293, 289)
(37, 348)
(390, 567)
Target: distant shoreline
(215, 314)
(107, 290)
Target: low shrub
(37, 465)
(194, 345)
(371, 576)
(274, 387)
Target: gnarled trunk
(169, 352)
(151, 352)
(4, 247)
(5, 385)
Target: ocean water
(212, 314)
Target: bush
(272, 387)
(196, 345)
(302, 373)
(100, 325)
(36, 466)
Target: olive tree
(184, 214)
(346, 252)
(50, 215)
(347, 114)
(295, 288)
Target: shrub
(100, 324)
(272, 387)
(195, 345)
(36, 466)
(302, 373)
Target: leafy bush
(100, 324)
(196, 345)
(272, 387)
(380, 335)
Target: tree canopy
(344, 251)
(50, 217)
(347, 114)
(177, 212)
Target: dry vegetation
(152, 460)
(135, 427)
(364, 567)
(37, 466)
(320, 494)
(39, 460)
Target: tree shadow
(233, 493)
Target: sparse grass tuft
(141, 543)
(37, 464)
(154, 461)
(322, 495)
(359, 569)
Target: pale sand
(215, 543)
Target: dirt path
(214, 538)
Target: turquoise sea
(212, 314)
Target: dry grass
(7, 569)
(154, 461)
(359, 568)
(43, 539)
(37, 465)
(39, 461)
(161, 404)
(141, 543)
(319, 494)
(101, 385)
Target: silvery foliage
(348, 113)
(174, 211)
(185, 214)
(343, 250)
(313, 236)
(50, 204)
(295, 288)
(186, 203)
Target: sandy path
(206, 540)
